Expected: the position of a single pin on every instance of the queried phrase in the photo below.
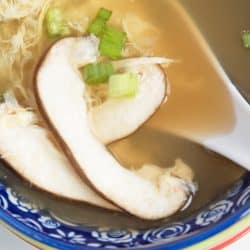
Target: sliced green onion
(97, 73)
(112, 42)
(246, 39)
(104, 14)
(55, 23)
(97, 25)
(123, 85)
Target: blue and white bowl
(41, 226)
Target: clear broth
(198, 104)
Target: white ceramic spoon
(233, 143)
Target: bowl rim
(186, 241)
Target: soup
(195, 105)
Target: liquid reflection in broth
(199, 103)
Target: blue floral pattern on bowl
(43, 227)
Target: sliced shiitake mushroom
(60, 94)
(28, 150)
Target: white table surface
(12, 242)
